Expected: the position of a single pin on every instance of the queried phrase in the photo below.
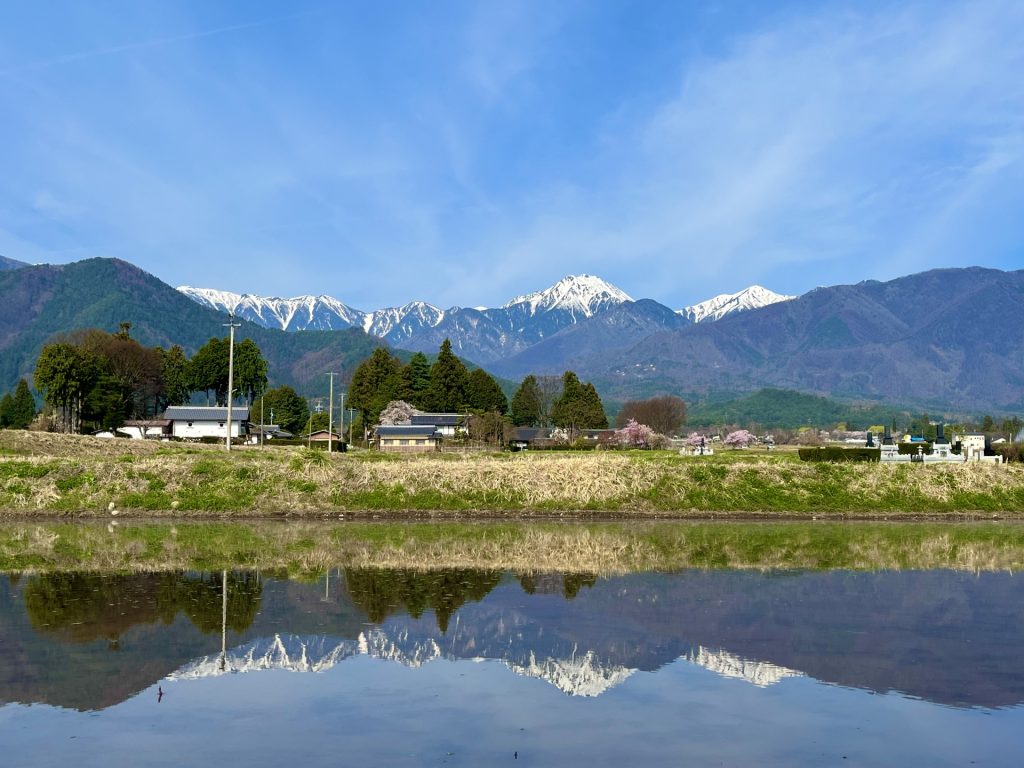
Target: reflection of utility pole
(224, 621)
(231, 325)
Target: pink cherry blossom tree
(635, 435)
(741, 438)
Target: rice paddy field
(45, 475)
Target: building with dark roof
(192, 422)
(408, 438)
(445, 423)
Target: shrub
(838, 453)
(1010, 451)
(910, 449)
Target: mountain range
(945, 340)
(482, 334)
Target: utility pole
(231, 325)
(330, 415)
(341, 413)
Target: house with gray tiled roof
(408, 438)
(192, 422)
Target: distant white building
(193, 422)
(143, 429)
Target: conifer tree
(23, 407)
(526, 410)
(416, 380)
(579, 407)
(375, 383)
(484, 394)
(6, 409)
(448, 382)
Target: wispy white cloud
(839, 140)
(466, 158)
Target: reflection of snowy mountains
(580, 674)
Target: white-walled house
(445, 424)
(149, 429)
(191, 422)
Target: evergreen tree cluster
(574, 406)
(94, 379)
(447, 386)
(18, 410)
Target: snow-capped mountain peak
(579, 294)
(415, 314)
(724, 304)
(322, 313)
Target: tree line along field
(57, 475)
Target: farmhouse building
(444, 424)
(408, 438)
(194, 422)
(142, 429)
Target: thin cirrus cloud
(473, 153)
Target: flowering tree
(739, 439)
(398, 412)
(636, 435)
(694, 439)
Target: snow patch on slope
(724, 304)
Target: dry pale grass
(79, 475)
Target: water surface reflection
(92, 643)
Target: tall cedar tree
(282, 406)
(23, 407)
(526, 408)
(209, 369)
(6, 410)
(448, 382)
(416, 381)
(65, 374)
(579, 407)
(483, 393)
(174, 369)
(375, 383)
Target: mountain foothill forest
(947, 341)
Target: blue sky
(463, 153)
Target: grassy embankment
(310, 548)
(64, 475)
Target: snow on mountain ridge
(585, 294)
(717, 307)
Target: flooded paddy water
(376, 666)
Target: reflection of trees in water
(89, 607)
(568, 584)
(379, 592)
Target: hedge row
(837, 453)
(911, 448)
